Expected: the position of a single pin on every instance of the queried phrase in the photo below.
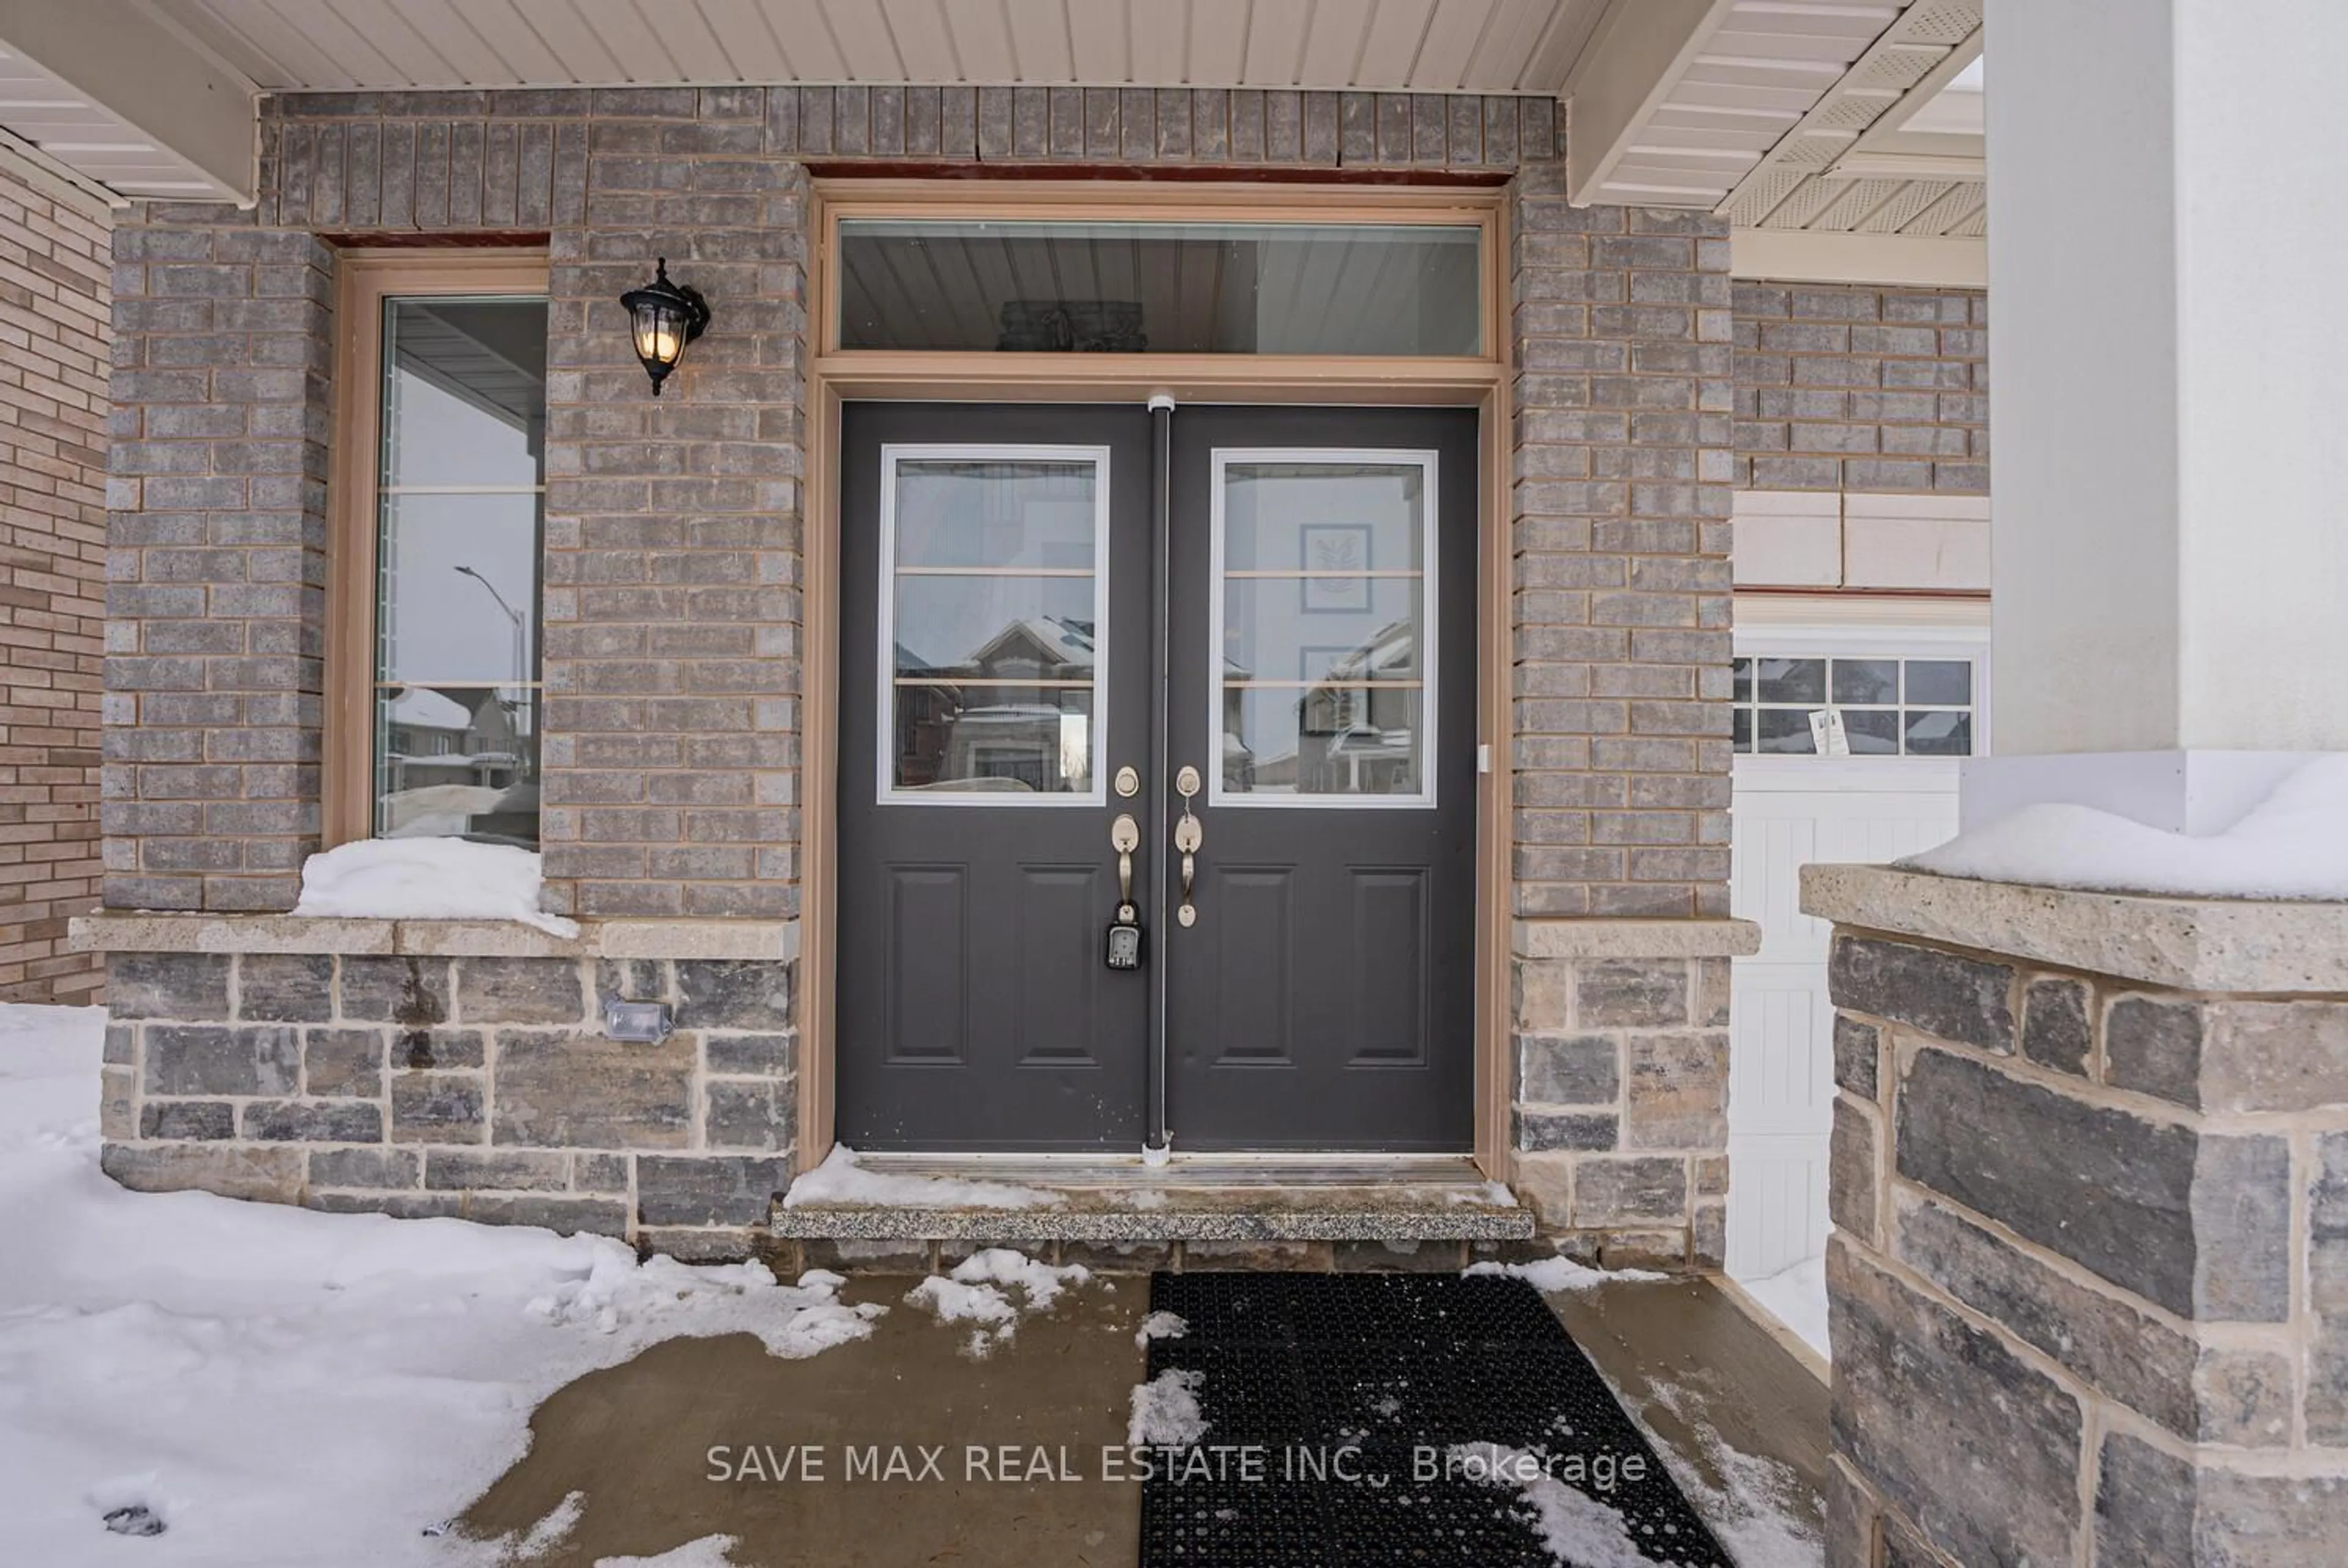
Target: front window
(459, 529)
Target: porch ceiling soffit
(111, 95)
(1416, 46)
(1778, 116)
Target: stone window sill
(137, 933)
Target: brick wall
(52, 425)
(1841, 388)
(1620, 524)
(671, 612)
(216, 561)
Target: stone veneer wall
(2090, 1264)
(477, 1086)
(1865, 389)
(1621, 1112)
(53, 435)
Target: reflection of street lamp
(521, 653)
(520, 635)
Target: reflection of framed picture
(1335, 549)
(1313, 660)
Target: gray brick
(520, 990)
(437, 1107)
(186, 1118)
(705, 1190)
(212, 1058)
(314, 1122)
(1943, 994)
(364, 1168)
(285, 988)
(511, 1170)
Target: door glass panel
(1034, 287)
(1324, 568)
(991, 622)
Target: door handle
(1188, 836)
(1125, 837)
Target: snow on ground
(709, 1552)
(1746, 1509)
(842, 1180)
(426, 880)
(975, 1292)
(1796, 1297)
(1577, 1529)
(1166, 1411)
(1551, 1275)
(282, 1387)
(2292, 844)
(1162, 1326)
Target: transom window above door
(1863, 705)
(1043, 286)
(993, 616)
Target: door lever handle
(1188, 836)
(1125, 837)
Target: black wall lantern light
(664, 317)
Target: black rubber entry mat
(1340, 1409)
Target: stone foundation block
(270, 1174)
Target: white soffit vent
(1413, 45)
(1746, 74)
(1829, 175)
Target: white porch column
(2168, 265)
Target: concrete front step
(1414, 1200)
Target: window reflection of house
(987, 723)
(1355, 735)
(454, 763)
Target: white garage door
(1847, 741)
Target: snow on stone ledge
(842, 1180)
(2294, 845)
(426, 880)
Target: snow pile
(842, 1180)
(1577, 1530)
(426, 880)
(709, 1552)
(2292, 844)
(1162, 1326)
(1796, 1297)
(974, 1293)
(1166, 1411)
(281, 1387)
(1551, 1275)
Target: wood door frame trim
(835, 377)
(364, 278)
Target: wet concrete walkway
(709, 1437)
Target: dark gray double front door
(1055, 622)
